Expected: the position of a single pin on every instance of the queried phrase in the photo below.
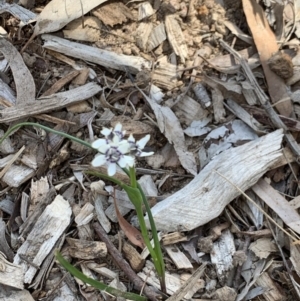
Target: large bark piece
(205, 197)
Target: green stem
(157, 246)
(47, 129)
(158, 258)
(132, 176)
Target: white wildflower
(136, 148)
(113, 154)
(115, 150)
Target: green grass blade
(99, 285)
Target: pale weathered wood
(157, 36)
(18, 174)
(105, 58)
(205, 197)
(221, 255)
(178, 257)
(176, 37)
(39, 243)
(10, 274)
(49, 103)
(100, 269)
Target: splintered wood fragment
(178, 257)
(272, 293)
(224, 264)
(175, 37)
(102, 270)
(85, 215)
(10, 274)
(113, 13)
(202, 199)
(105, 58)
(145, 10)
(142, 34)
(48, 228)
(49, 103)
(172, 238)
(157, 36)
(85, 249)
(164, 75)
(132, 255)
(278, 203)
(60, 83)
(18, 174)
(188, 109)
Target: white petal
(126, 161)
(98, 160)
(103, 148)
(144, 154)
(118, 127)
(97, 143)
(112, 167)
(124, 147)
(131, 139)
(106, 132)
(116, 139)
(141, 143)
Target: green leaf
(103, 176)
(134, 195)
(17, 126)
(99, 285)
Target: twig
(119, 260)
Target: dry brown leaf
(131, 233)
(266, 45)
(23, 79)
(58, 13)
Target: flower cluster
(115, 150)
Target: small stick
(119, 260)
